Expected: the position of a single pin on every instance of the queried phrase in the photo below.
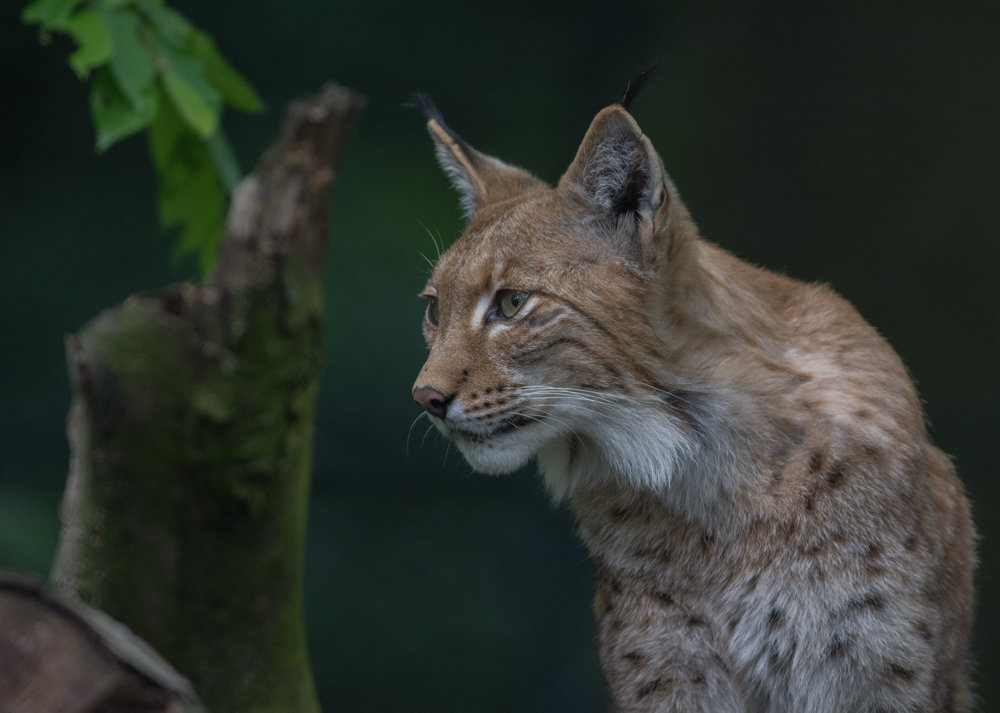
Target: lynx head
(544, 319)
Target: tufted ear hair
(616, 168)
(479, 179)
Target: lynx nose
(432, 400)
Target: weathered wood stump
(191, 430)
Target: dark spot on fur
(781, 451)
(788, 527)
(621, 513)
(465, 372)
(903, 673)
(698, 678)
(474, 395)
(863, 413)
(815, 462)
(834, 476)
(809, 502)
(869, 602)
(696, 621)
(707, 539)
(873, 550)
(871, 450)
(487, 404)
(665, 598)
(734, 622)
(500, 389)
(837, 648)
(924, 631)
(910, 543)
(685, 405)
(489, 391)
(633, 656)
(813, 549)
(648, 688)
(774, 619)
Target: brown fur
(746, 457)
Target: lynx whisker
(423, 414)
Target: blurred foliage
(152, 69)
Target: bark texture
(191, 429)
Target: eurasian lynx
(746, 458)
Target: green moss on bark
(191, 431)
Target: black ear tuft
(422, 103)
(636, 85)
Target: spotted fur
(746, 458)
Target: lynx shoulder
(746, 458)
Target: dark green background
(856, 147)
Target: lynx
(746, 458)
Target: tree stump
(191, 430)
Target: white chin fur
(493, 458)
(643, 446)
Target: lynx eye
(432, 310)
(511, 301)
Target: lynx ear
(479, 179)
(616, 168)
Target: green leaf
(115, 116)
(191, 104)
(197, 101)
(195, 199)
(224, 160)
(234, 88)
(191, 194)
(171, 24)
(166, 134)
(91, 33)
(48, 13)
(131, 59)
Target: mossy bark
(191, 434)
